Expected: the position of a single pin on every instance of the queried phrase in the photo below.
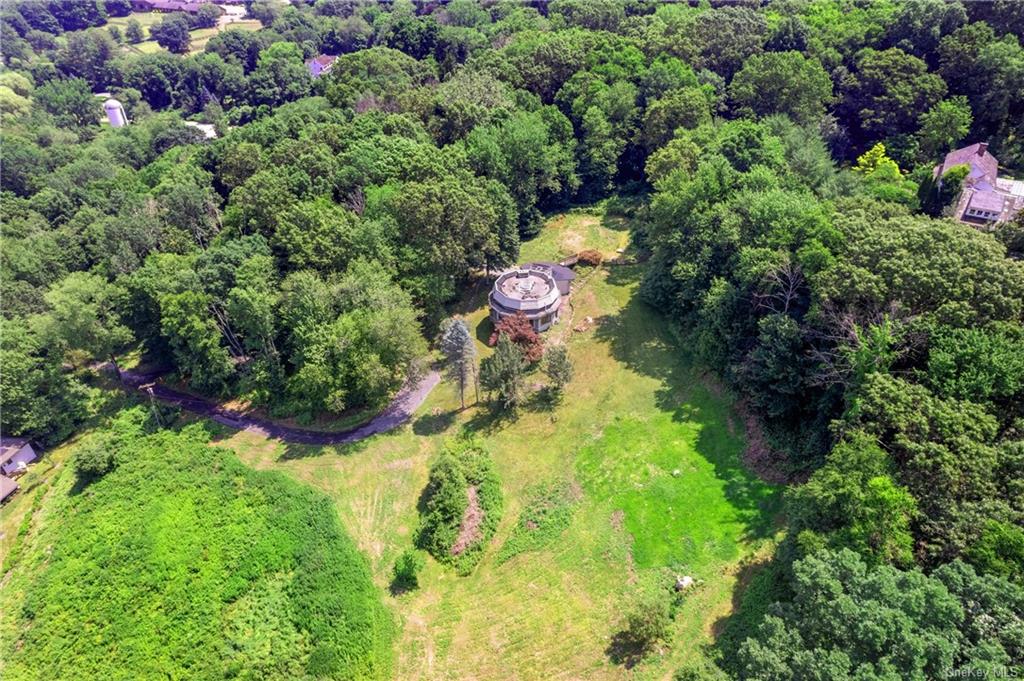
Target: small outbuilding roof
(7, 487)
(989, 201)
(557, 272)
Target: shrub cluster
(181, 562)
(462, 466)
(547, 514)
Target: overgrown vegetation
(547, 514)
(17, 545)
(461, 505)
(246, 575)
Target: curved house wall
(542, 309)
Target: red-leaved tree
(520, 331)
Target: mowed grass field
(652, 448)
(200, 36)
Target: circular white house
(530, 290)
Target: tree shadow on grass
(484, 330)
(760, 584)
(432, 424)
(489, 418)
(627, 274)
(625, 650)
(400, 587)
(294, 450)
(639, 338)
(541, 400)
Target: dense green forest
(776, 162)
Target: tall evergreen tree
(459, 355)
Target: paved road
(402, 407)
(232, 13)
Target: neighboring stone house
(985, 199)
(15, 455)
(318, 66)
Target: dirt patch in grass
(618, 519)
(469, 531)
(759, 458)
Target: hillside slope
(184, 563)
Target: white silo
(115, 113)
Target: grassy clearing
(569, 233)
(636, 412)
(145, 19)
(199, 36)
(202, 36)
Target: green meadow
(633, 478)
(649, 450)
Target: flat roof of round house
(526, 290)
(559, 272)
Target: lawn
(145, 19)
(200, 36)
(653, 450)
(641, 466)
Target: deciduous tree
(782, 82)
(133, 31)
(84, 317)
(520, 331)
(171, 33)
(943, 127)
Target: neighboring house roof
(7, 487)
(9, 446)
(983, 189)
(178, 5)
(984, 166)
(323, 60)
